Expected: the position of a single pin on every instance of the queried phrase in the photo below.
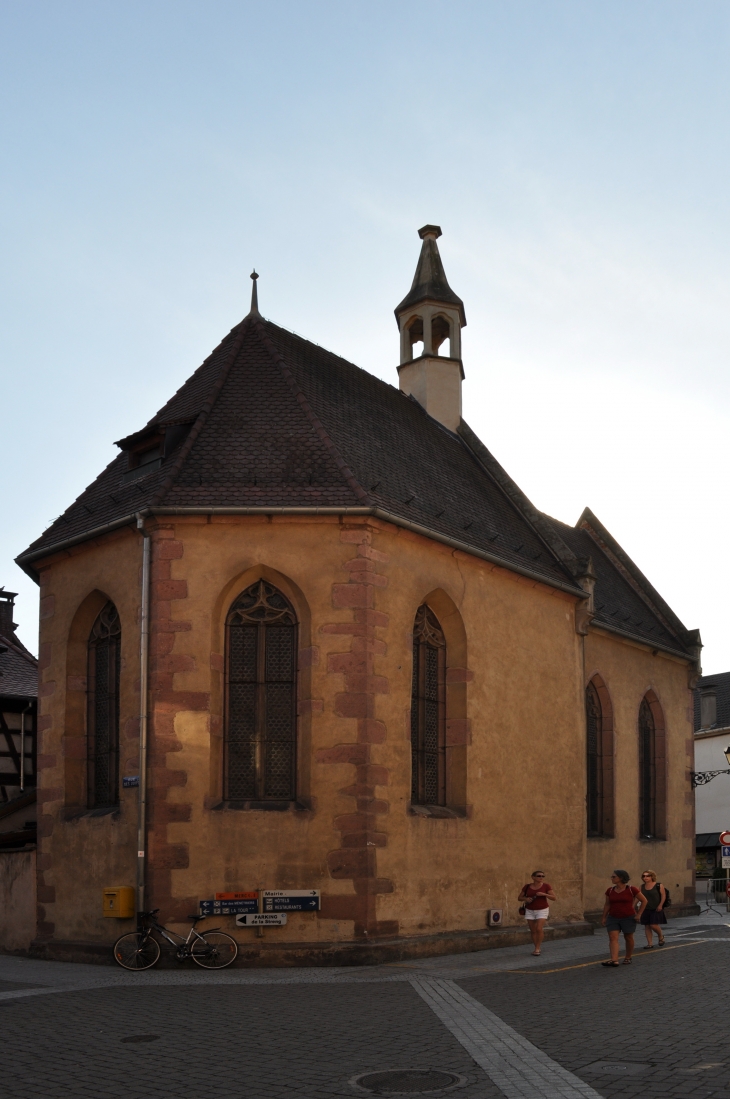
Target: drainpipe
(144, 645)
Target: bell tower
(431, 315)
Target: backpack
(668, 896)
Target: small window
(261, 696)
(104, 660)
(428, 711)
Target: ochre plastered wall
(515, 674)
(629, 671)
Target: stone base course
(257, 954)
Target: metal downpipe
(144, 645)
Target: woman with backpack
(657, 899)
(619, 915)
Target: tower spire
(254, 311)
(432, 315)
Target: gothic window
(261, 647)
(104, 656)
(594, 722)
(428, 711)
(652, 793)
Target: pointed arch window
(428, 711)
(261, 645)
(103, 667)
(652, 775)
(594, 798)
(599, 760)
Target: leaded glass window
(261, 696)
(594, 762)
(428, 711)
(647, 772)
(104, 660)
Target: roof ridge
(562, 553)
(314, 420)
(620, 559)
(202, 416)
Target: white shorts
(537, 913)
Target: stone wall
(17, 900)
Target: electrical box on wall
(494, 917)
(119, 902)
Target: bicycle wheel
(216, 951)
(136, 951)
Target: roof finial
(254, 294)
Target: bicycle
(139, 950)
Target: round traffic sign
(725, 839)
(727, 889)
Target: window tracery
(428, 711)
(103, 673)
(261, 696)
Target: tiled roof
(721, 683)
(280, 422)
(617, 602)
(18, 670)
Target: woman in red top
(536, 899)
(624, 903)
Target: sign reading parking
(262, 919)
(726, 858)
(291, 900)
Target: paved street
(500, 1022)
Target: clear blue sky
(576, 155)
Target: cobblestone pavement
(508, 1025)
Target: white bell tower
(431, 314)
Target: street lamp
(701, 778)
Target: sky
(575, 154)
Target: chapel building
(304, 632)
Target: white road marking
(519, 1069)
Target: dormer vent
(430, 319)
(148, 448)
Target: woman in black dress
(653, 917)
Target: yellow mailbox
(119, 902)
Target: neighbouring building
(18, 704)
(712, 738)
(376, 669)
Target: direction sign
(724, 838)
(262, 919)
(725, 857)
(228, 908)
(291, 900)
(251, 895)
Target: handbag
(522, 910)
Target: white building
(712, 738)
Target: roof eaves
(599, 624)
(388, 517)
(25, 560)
